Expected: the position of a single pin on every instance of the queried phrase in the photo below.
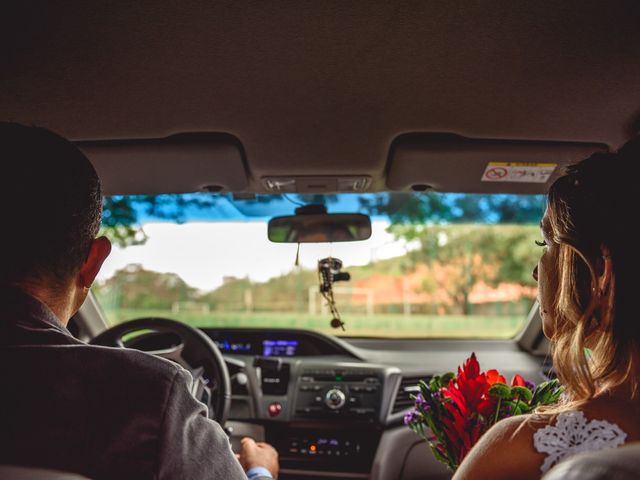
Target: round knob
(240, 378)
(335, 399)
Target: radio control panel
(339, 393)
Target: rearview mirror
(312, 224)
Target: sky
(202, 253)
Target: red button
(274, 409)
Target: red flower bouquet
(452, 412)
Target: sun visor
(176, 164)
(451, 163)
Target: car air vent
(408, 387)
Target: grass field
(379, 325)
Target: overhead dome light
(316, 184)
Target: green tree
(276, 294)
(471, 253)
(121, 215)
(432, 207)
(133, 287)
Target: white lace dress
(573, 434)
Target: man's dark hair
(50, 205)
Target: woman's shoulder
(622, 410)
(506, 450)
(574, 433)
(525, 446)
(520, 428)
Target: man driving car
(65, 405)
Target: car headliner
(313, 88)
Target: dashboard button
(274, 409)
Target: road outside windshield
(436, 265)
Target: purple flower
(530, 385)
(421, 403)
(410, 417)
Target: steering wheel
(194, 351)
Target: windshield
(436, 265)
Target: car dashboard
(334, 407)
(312, 396)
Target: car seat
(622, 463)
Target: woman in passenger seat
(588, 293)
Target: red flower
(493, 376)
(470, 389)
(469, 398)
(463, 410)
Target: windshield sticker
(518, 172)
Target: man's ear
(98, 253)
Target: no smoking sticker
(518, 172)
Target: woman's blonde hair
(595, 340)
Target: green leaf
(434, 384)
(500, 390)
(446, 378)
(523, 393)
(449, 463)
(547, 393)
(526, 408)
(425, 390)
(438, 381)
